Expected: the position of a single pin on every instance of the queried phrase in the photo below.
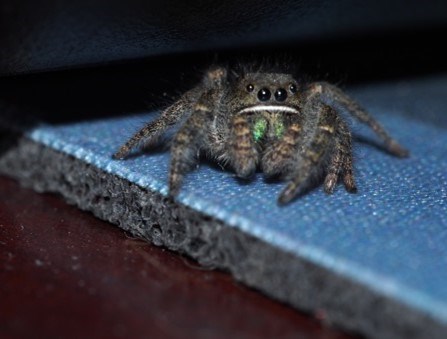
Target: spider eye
(280, 94)
(264, 94)
(292, 88)
(250, 88)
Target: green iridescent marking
(259, 129)
(279, 129)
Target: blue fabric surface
(391, 236)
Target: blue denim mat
(391, 236)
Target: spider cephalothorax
(270, 121)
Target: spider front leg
(337, 97)
(279, 159)
(242, 152)
(187, 144)
(316, 142)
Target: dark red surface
(64, 273)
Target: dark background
(75, 60)
(47, 35)
(98, 58)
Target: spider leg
(213, 79)
(242, 152)
(346, 147)
(186, 145)
(278, 159)
(155, 128)
(334, 169)
(341, 161)
(338, 97)
(317, 141)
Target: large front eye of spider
(280, 94)
(264, 94)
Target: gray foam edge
(273, 271)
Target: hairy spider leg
(336, 95)
(169, 117)
(242, 152)
(334, 169)
(346, 147)
(341, 161)
(317, 142)
(279, 158)
(187, 144)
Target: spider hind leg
(152, 130)
(338, 97)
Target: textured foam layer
(374, 262)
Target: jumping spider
(289, 129)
